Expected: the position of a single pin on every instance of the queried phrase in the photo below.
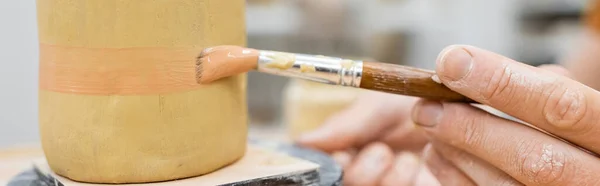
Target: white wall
(18, 73)
(489, 24)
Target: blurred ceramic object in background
(307, 105)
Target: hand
(372, 117)
(472, 147)
(379, 128)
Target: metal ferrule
(323, 69)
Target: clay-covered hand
(472, 147)
(375, 141)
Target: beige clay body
(154, 131)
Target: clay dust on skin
(547, 163)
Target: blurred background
(408, 32)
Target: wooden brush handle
(403, 80)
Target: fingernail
(428, 114)
(342, 158)
(376, 159)
(372, 162)
(426, 178)
(454, 63)
(404, 171)
(426, 150)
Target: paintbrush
(223, 61)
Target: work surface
(258, 163)
(261, 161)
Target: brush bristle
(223, 61)
(199, 67)
(200, 64)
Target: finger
(444, 171)
(481, 172)
(557, 69)
(527, 155)
(406, 137)
(553, 103)
(403, 172)
(344, 159)
(370, 165)
(368, 119)
(426, 178)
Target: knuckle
(500, 85)
(471, 131)
(565, 108)
(543, 164)
(463, 127)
